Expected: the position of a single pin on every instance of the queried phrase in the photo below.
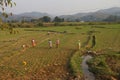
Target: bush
(40, 24)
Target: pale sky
(62, 7)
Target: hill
(99, 15)
(27, 16)
(93, 16)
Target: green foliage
(57, 19)
(75, 62)
(45, 19)
(107, 64)
(56, 24)
(6, 3)
(98, 66)
(40, 24)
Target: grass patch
(105, 66)
(75, 64)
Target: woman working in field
(57, 43)
(78, 45)
(50, 43)
(33, 43)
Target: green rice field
(63, 63)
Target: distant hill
(27, 16)
(111, 11)
(93, 16)
(34, 14)
(100, 15)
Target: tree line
(48, 19)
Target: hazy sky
(61, 7)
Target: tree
(45, 19)
(57, 19)
(4, 4)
